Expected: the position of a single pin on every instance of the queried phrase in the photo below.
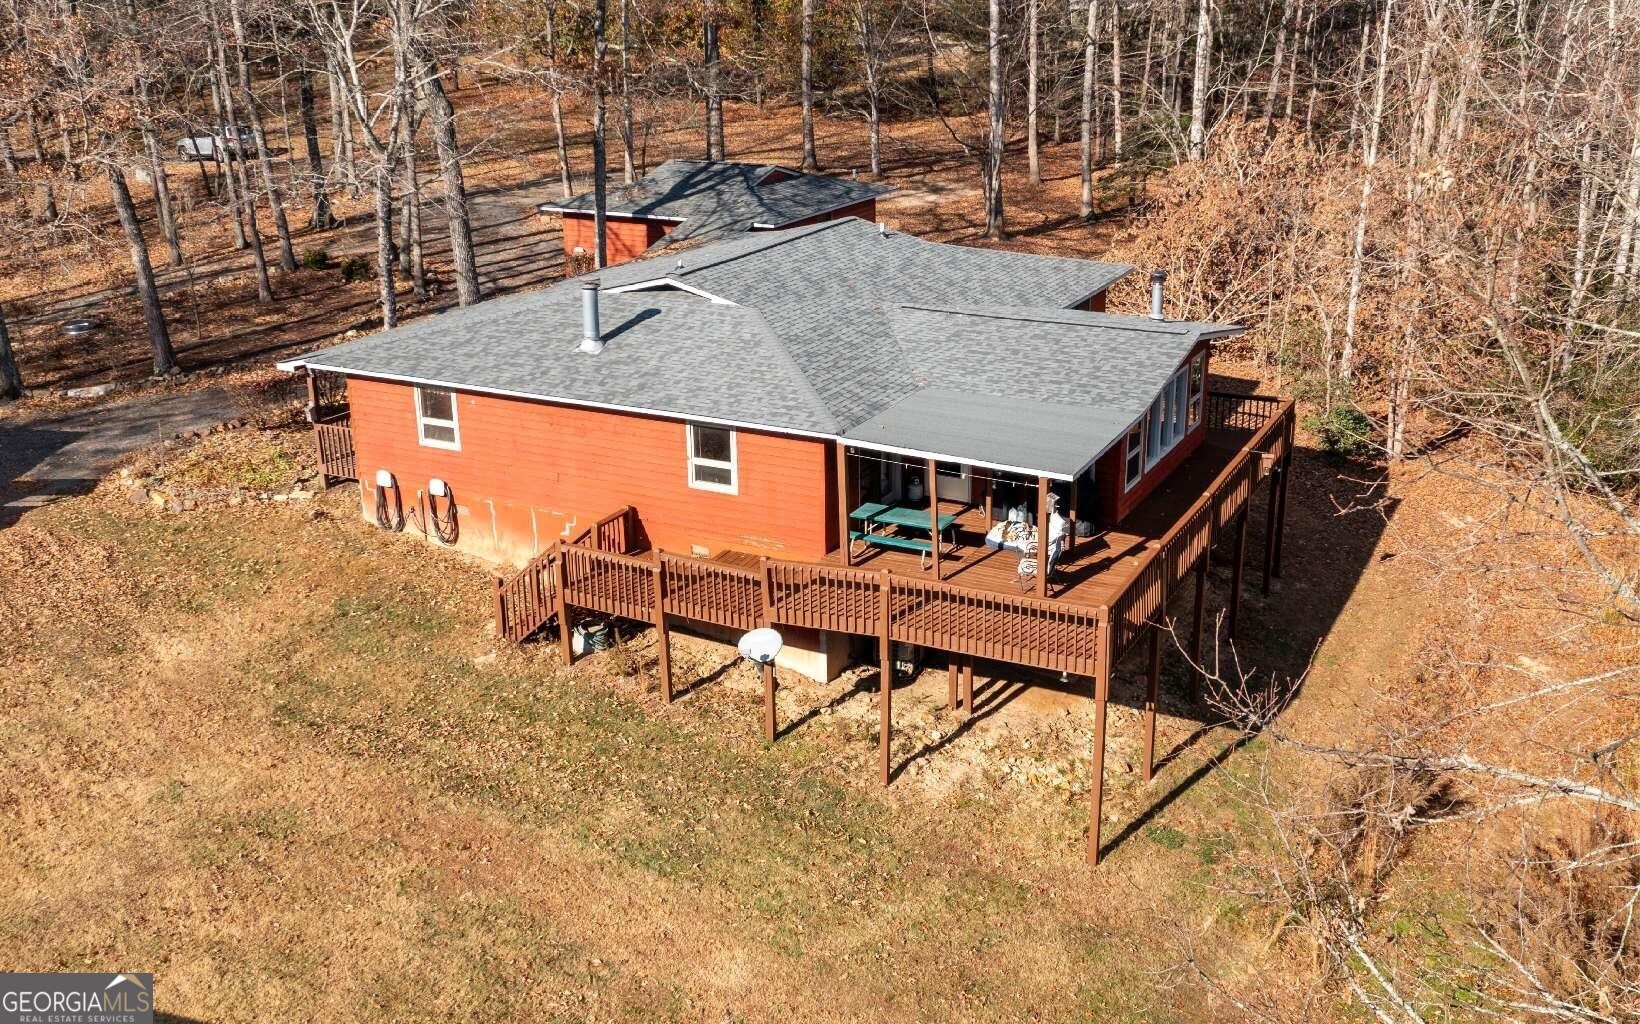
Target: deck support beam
(560, 581)
(843, 505)
(1274, 499)
(1281, 515)
(1236, 570)
(952, 671)
(933, 474)
(663, 637)
(1042, 536)
(1096, 785)
(1200, 611)
(1152, 687)
(765, 599)
(968, 683)
(885, 675)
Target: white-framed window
(436, 425)
(1135, 453)
(1173, 412)
(713, 461)
(1198, 389)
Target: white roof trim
(671, 282)
(549, 208)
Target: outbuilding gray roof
(714, 198)
(835, 329)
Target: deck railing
(334, 440)
(599, 574)
(1227, 411)
(526, 601)
(1143, 602)
(715, 592)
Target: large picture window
(712, 459)
(436, 425)
(1136, 451)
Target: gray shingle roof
(834, 329)
(716, 198)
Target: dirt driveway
(44, 459)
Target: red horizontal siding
(529, 473)
(625, 237)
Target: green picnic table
(878, 514)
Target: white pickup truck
(222, 143)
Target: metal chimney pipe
(592, 340)
(1157, 279)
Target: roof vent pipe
(1157, 279)
(592, 341)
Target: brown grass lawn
(276, 756)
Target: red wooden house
(836, 429)
(703, 200)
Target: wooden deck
(1112, 592)
(1098, 569)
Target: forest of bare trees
(1428, 209)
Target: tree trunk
(276, 202)
(1198, 83)
(714, 86)
(236, 163)
(8, 156)
(866, 26)
(599, 200)
(341, 127)
(410, 254)
(11, 379)
(165, 360)
(565, 178)
(1090, 55)
(34, 135)
(323, 219)
(455, 185)
(994, 223)
(1144, 69)
(1116, 82)
(386, 290)
(1032, 73)
(229, 187)
(627, 161)
(810, 161)
(162, 194)
(1628, 236)
(1346, 359)
(1273, 88)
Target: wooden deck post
(560, 581)
(663, 637)
(500, 625)
(1270, 522)
(885, 611)
(1101, 694)
(1070, 524)
(843, 505)
(951, 672)
(934, 515)
(1281, 516)
(1236, 570)
(763, 619)
(1196, 631)
(1042, 521)
(1152, 686)
(990, 499)
(968, 683)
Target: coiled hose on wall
(389, 518)
(445, 527)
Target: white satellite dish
(761, 645)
